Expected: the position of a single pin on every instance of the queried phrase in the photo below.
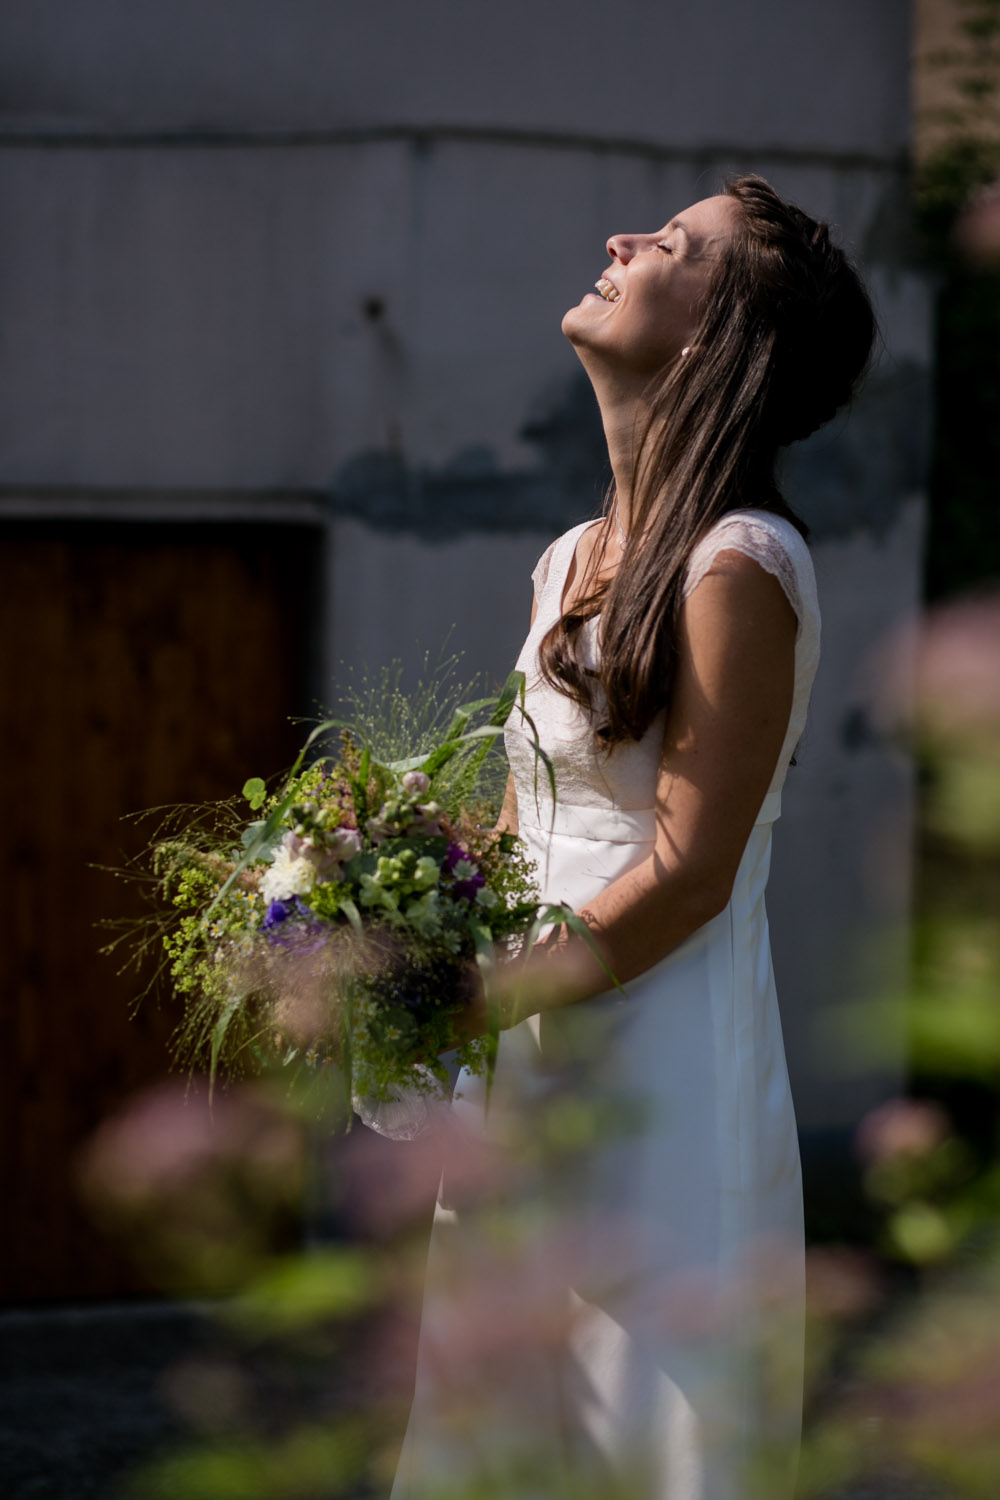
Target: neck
(624, 417)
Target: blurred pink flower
(901, 1127)
(170, 1136)
(943, 669)
(204, 1195)
(840, 1282)
(977, 232)
(958, 666)
(383, 1185)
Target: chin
(573, 324)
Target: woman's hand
(520, 985)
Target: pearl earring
(685, 351)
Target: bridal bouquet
(352, 917)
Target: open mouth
(607, 289)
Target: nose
(622, 247)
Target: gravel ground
(85, 1398)
(81, 1400)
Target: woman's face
(648, 301)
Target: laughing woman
(671, 654)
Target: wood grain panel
(139, 666)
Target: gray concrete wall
(312, 249)
(800, 73)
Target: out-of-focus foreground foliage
(907, 1353)
(307, 1395)
(964, 160)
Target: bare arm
(728, 719)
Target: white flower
(289, 875)
(345, 843)
(377, 827)
(486, 898)
(416, 783)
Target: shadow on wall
(471, 493)
(855, 474)
(852, 476)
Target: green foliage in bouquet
(355, 917)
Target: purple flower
(452, 856)
(471, 882)
(303, 933)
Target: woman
(672, 649)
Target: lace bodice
(625, 781)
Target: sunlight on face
(649, 299)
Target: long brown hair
(784, 337)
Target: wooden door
(139, 666)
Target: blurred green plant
(963, 547)
(903, 1353)
(912, 1389)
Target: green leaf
(411, 763)
(255, 792)
(265, 847)
(219, 1030)
(352, 914)
(509, 693)
(457, 726)
(485, 960)
(540, 754)
(476, 706)
(512, 689)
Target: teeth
(607, 289)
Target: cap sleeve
(540, 575)
(778, 547)
(770, 541)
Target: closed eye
(668, 248)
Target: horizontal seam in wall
(60, 138)
(287, 508)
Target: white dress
(634, 1327)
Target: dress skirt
(623, 1315)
